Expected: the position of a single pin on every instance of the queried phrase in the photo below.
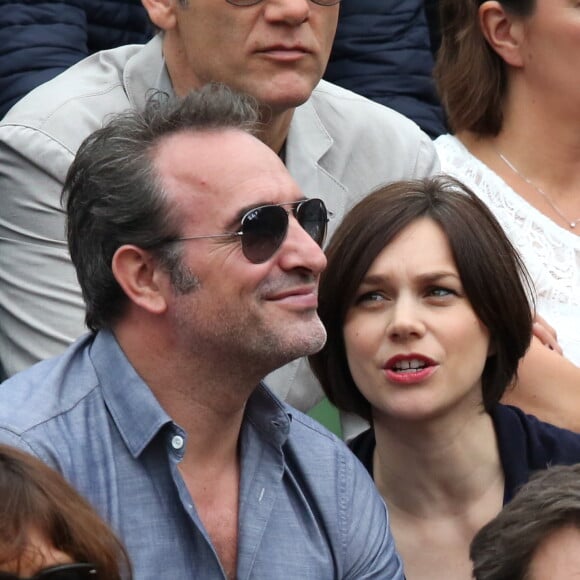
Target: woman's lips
(409, 369)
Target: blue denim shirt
(307, 510)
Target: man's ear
(161, 12)
(139, 275)
(503, 31)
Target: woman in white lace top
(509, 79)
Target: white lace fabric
(551, 253)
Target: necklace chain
(571, 223)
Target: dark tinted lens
(312, 216)
(68, 572)
(264, 230)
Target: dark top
(525, 445)
(41, 38)
(382, 50)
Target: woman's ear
(503, 31)
(138, 274)
(161, 13)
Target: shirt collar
(138, 415)
(269, 416)
(145, 72)
(133, 406)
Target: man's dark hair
(504, 548)
(115, 196)
(492, 274)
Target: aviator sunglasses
(253, 2)
(63, 572)
(264, 228)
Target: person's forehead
(558, 555)
(221, 174)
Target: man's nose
(293, 12)
(299, 250)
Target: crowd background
(387, 51)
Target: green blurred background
(327, 414)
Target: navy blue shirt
(42, 38)
(525, 443)
(307, 510)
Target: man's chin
(307, 343)
(286, 95)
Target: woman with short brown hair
(425, 304)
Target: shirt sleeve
(370, 552)
(427, 163)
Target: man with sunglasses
(199, 258)
(337, 146)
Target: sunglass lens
(69, 572)
(264, 230)
(312, 216)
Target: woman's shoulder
(537, 443)
(456, 160)
(527, 444)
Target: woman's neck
(540, 138)
(439, 468)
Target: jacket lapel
(307, 143)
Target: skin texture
(239, 294)
(550, 45)
(411, 301)
(558, 556)
(275, 51)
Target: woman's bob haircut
(35, 497)
(493, 276)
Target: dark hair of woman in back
(470, 75)
(35, 497)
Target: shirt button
(177, 442)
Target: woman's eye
(440, 292)
(370, 297)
